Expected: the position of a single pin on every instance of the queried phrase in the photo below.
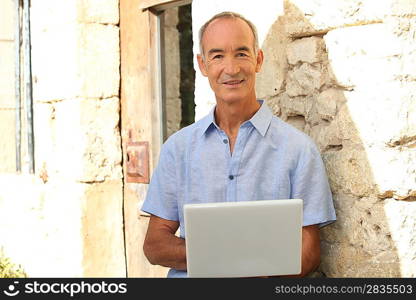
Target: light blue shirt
(271, 160)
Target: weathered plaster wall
(344, 73)
(66, 220)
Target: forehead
(223, 31)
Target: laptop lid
(244, 239)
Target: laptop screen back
(244, 239)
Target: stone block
(327, 102)
(98, 61)
(76, 230)
(393, 172)
(293, 106)
(46, 15)
(303, 80)
(59, 140)
(59, 241)
(384, 115)
(403, 8)
(102, 230)
(349, 171)
(89, 56)
(274, 104)
(101, 157)
(327, 137)
(7, 70)
(358, 54)
(363, 229)
(348, 261)
(98, 11)
(310, 50)
(86, 56)
(80, 139)
(297, 122)
(7, 20)
(363, 224)
(380, 171)
(312, 116)
(54, 64)
(7, 141)
(402, 222)
(53, 214)
(306, 18)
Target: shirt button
(231, 177)
(225, 141)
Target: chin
(231, 97)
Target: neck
(229, 116)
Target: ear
(259, 60)
(201, 65)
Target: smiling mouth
(233, 82)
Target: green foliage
(10, 270)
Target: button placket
(235, 162)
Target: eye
(218, 56)
(241, 54)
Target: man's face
(230, 61)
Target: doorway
(157, 87)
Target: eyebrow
(243, 48)
(219, 50)
(215, 50)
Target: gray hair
(232, 15)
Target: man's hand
(162, 247)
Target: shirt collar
(207, 121)
(261, 119)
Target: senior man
(240, 151)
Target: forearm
(311, 250)
(310, 262)
(161, 245)
(169, 253)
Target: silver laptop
(244, 239)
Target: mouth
(233, 82)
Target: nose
(231, 67)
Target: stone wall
(7, 87)
(344, 73)
(349, 85)
(66, 219)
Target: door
(142, 119)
